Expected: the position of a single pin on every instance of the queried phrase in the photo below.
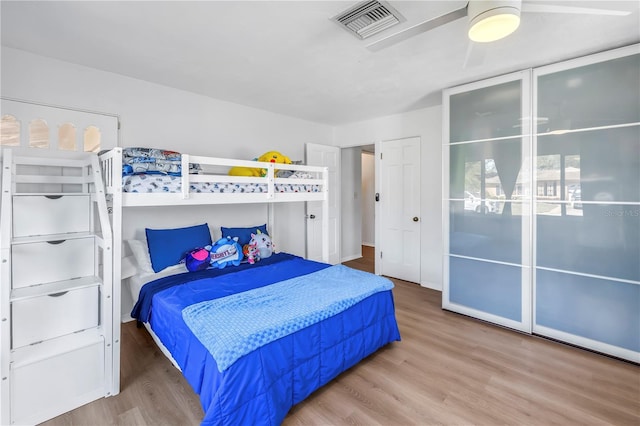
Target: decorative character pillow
(267, 157)
(226, 251)
(198, 259)
(263, 244)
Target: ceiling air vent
(369, 18)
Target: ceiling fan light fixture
(492, 20)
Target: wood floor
(448, 369)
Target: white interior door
(400, 209)
(327, 156)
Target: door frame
(323, 207)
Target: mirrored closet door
(542, 205)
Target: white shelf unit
(59, 327)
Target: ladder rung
(52, 237)
(53, 287)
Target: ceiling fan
(489, 20)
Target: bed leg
(138, 324)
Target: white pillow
(141, 254)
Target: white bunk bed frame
(111, 163)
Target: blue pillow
(243, 234)
(168, 246)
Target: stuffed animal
(250, 252)
(198, 259)
(226, 251)
(262, 243)
(267, 157)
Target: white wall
(351, 204)
(427, 124)
(368, 199)
(158, 116)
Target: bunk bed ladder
(59, 309)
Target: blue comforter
(142, 309)
(233, 326)
(261, 387)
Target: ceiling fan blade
(417, 29)
(548, 8)
(474, 55)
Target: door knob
(415, 218)
(312, 216)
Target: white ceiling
(288, 57)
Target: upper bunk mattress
(164, 183)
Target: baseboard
(432, 286)
(369, 244)
(126, 318)
(352, 257)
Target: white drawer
(45, 317)
(55, 385)
(38, 263)
(43, 215)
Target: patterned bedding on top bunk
(165, 183)
(148, 170)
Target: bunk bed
(322, 319)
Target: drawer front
(42, 215)
(45, 317)
(55, 385)
(38, 263)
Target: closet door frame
(525, 325)
(536, 328)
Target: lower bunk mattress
(285, 327)
(149, 183)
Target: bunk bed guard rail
(111, 162)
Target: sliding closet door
(587, 202)
(486, 207)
